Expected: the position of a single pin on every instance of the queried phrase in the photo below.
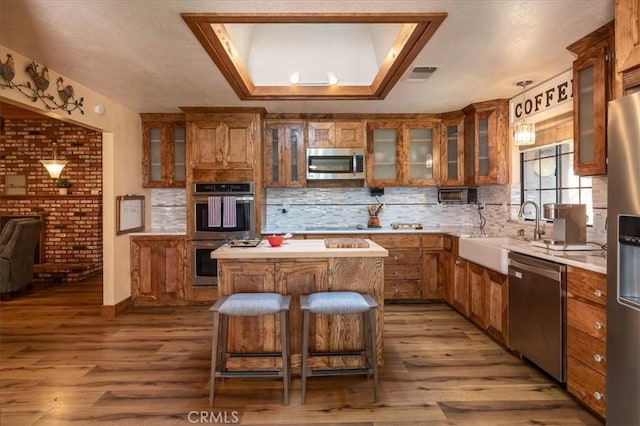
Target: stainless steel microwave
(464, 195)
(335, 163)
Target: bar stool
(249, 304)
(337, 303)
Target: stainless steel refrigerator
(623, 262)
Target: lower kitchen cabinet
(586, 337)
(157, 270)
(477, 295)
(488, 301)
(402, 269)
(497, 294)
(445, 268)
(431, 248)
(460, 294)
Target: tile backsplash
(347, 207)
(169, 209)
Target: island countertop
(292, 249)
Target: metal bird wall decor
(35, 89)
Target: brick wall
(73, 223)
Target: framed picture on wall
(129, 214)
(15, 185)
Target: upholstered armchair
(18, 242)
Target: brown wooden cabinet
(223, 144)
(497, 294)
(446, 263)
(487, 150)
(478, 312)
(403, 153)
(431, 245)
(488, 301)
(163, 150)
(452, 149)
(157, 270)
(284, 155)
(593, 87)
(627, 41)
(336, 134)
(586, 337)
(402, 273)
(460, 289)
(383, 153)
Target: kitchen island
(295, 268)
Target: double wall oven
(221, 212)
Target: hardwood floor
(62, 363)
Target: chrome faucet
(537, 232)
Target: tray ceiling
(368, 53)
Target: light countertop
(592, 260)
(292, 249)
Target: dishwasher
(537, 312)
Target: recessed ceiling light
(295, 78)
(333, 79)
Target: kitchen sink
(486, 251)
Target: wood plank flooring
(61, 363)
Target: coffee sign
(550, 98)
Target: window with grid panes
(547, 177)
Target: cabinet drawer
(587, 285)
(590, 319)
(433, 241)
(402, 289)
(397, 241)
(403, 257)
(402, 272)
(588, 350)
(587, 385)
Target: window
(547, 177)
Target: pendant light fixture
(55, 166)
(524, 132)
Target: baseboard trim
(111, 311)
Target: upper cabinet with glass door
(452, 149)
(593, 79)
(421, 153)
(284, 154)
(487, 149)
(383, 152)
(163, 150)
(403, 153)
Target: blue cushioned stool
(340, 303)
(249, 304)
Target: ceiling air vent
(419, 74)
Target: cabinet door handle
(597, 358)
(395, 258)
(598, 293)
(598, 396)
(598, 325)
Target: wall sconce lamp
(55, 166)
(524, 133)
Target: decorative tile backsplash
(347, 207)
(169, 209)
